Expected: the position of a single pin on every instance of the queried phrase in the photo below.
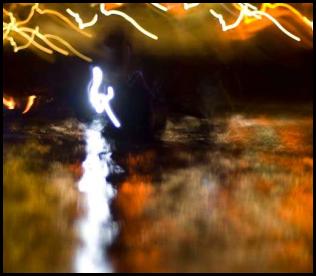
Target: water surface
(227, 194)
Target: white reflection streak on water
(96, 227)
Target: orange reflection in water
(247, 208)
(132, 200)
(133, 195)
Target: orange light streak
(30, 102)
(249, 11)
(9, 103)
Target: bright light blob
(100, 101)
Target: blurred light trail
(128, 18)
(100, 101)
(9, 103)
(14, 30)
(265, 6)
(226, 27)
(36, 8)
(108, 109)
(247, 14)
(190, 5)
(160, 7)
(97, 229)
(248, 10)
(30, 102)
(79, 20)
(20, 35)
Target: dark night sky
(287, 76)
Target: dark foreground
(232, 193)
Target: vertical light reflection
(96, 228)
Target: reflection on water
(40, 207)
(96, 227)
(232, 193)
(241, 203)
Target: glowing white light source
(100, 101)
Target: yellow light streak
(16, 49)
(22, 32)
(79, 20)
(30, 102)
(245, 11)
(63, 18)
(265, 6)
(13, 44)
(69, 46)
(127, 18)
(14, 27)
(53, 46)
(29, 17)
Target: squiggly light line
(289, 7)
(18, 48)
(79, 20)
(128, 18)
(226, 27)
(63, 18)
(100, 101)
(160, 7)
(18, 27)
(265, 6)
(245, 11)
(14, 30)
(279, 25)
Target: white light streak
(129, 19)
(108, 109)
(160, 7)
(190, 5)
(279, 25)
(245, 11)
(100, 101)
(223, 23)
(79, 20)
